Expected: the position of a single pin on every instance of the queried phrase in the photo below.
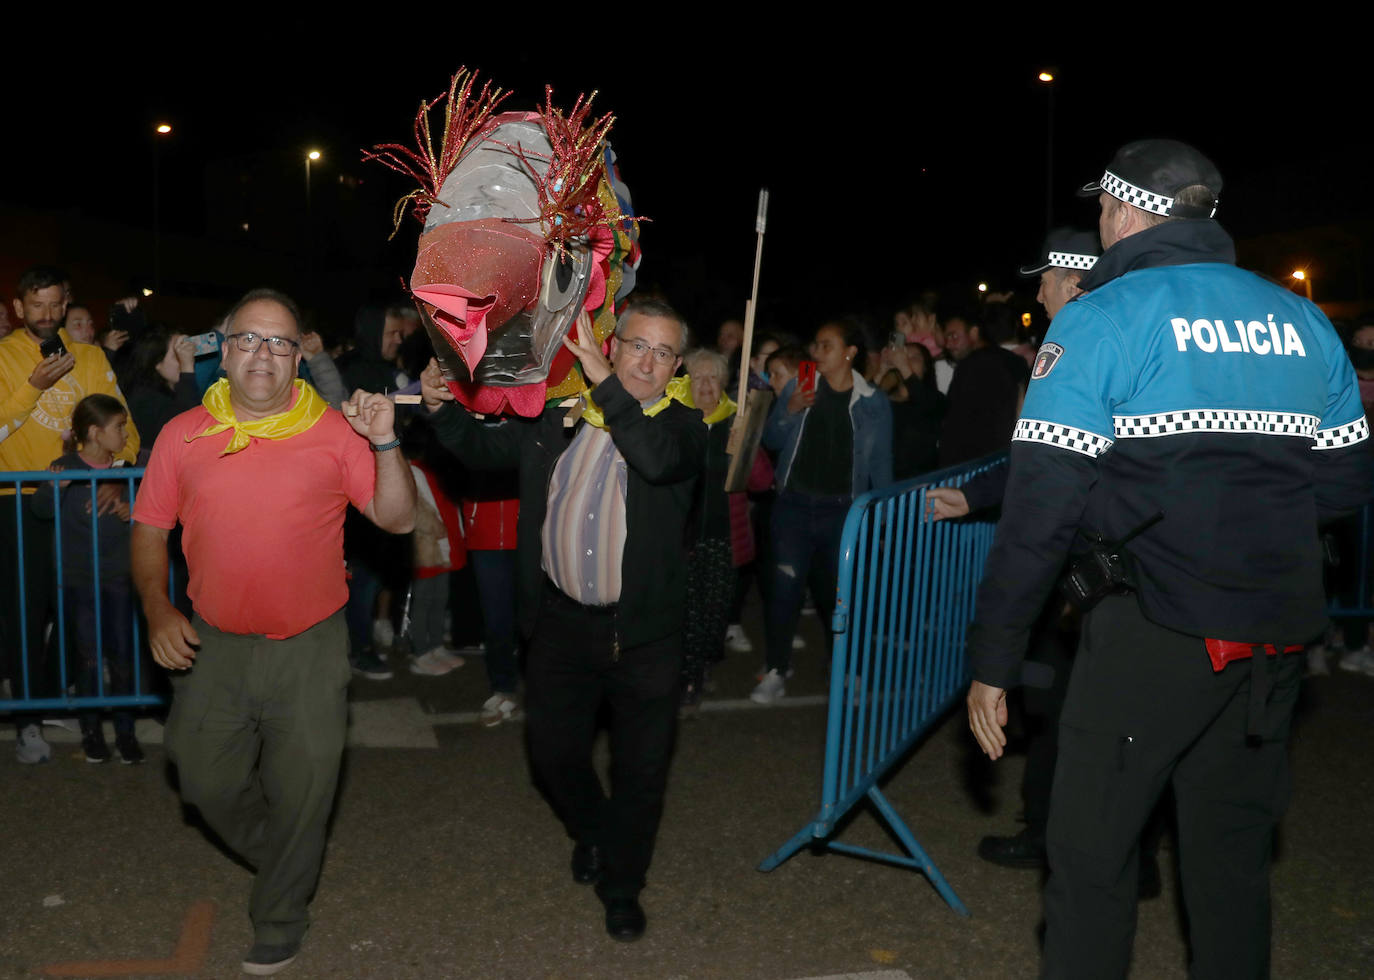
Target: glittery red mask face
(496, 298)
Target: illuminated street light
(1301, 276)
(982, 287)
(147, 292)
(160, 129)
(313, 154)
(1046, 78)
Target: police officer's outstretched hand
(987, 716)
(945, 502)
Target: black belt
(558, 597)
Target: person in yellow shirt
(38, 393)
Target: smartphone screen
(205, 343)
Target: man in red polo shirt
(259, 477)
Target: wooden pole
(760, 222)
(746, 345)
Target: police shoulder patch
(1046, 359)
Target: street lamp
(1301, 276)
(159, 130)
(311, 156)
(1046, 78)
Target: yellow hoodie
(33, 422)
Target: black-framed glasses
(662, 355)
(250, 342)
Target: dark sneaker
(368, 664)
(130, 752)
(1023, 850)
(93, 743)
(264, 960)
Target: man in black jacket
(1217, 414)
(601, 580)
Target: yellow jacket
(33, 422)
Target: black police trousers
(1145, 709)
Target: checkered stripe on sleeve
(1137, 196)
(1063, 436)
(1343, 435)
(1209, 420)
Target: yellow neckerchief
(723, 410)
(308, 410)
(678, 390)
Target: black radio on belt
(1106, 569)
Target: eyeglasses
(662, 355)
(250, 342)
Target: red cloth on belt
(1223, 652)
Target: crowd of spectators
(853, 408)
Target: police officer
(1181, 390)
(1065, 259)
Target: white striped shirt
(584, 526)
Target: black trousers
(572, 668)
(37, 568)
(1144, 710)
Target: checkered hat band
(1343, 435)
(1072, 260)
(1063, 436)
(1209, 420)
(1136, 196)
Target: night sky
(897, 158)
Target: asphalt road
(444, 861)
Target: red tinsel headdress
(569, 203)
(463, 118)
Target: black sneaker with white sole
(263, 959)
(93, 744)
(130, 752)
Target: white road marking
(400, 723)
(872, 975)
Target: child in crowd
(782, 367)
(94, 565)
(438, 549)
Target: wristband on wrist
(393, 444)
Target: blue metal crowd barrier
(20, 662)
(904, 601)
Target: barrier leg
(908, 840)
(803, 837)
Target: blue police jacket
(1180, 385)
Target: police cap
(1148, 174)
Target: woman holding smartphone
(832, 431)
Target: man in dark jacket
(372, 364)
(985, 395)
(1218, 413)
(601, 580)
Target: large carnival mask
(526, 226)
